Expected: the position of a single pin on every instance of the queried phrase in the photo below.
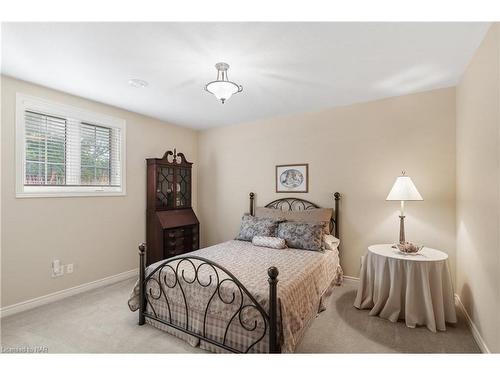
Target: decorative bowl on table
(408, 247)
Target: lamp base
(402, 230)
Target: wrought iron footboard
(175, 269)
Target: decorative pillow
(252, 226)
(300, 235)
(330, 242)
(312, 215)
(272, 242)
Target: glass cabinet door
(165, 187)
(183, 192)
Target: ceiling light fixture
(137, 83)
(223, 88)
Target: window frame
(26, 102)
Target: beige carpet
(99, 321)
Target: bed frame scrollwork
(157, 283)
(180, 271)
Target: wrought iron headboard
(298, 204)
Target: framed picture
(292, 178)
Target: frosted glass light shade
(222, 90)
(404, 190)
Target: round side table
(413, 287)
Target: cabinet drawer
(175, 242)
(180, 240)
(177, 233)
(171, 253)
(180, 232)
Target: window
(95, 155)
(45, 139)
(66, 151)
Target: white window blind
(67, 151)
(45, 139)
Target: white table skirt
(416, 288)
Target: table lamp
(403, 190)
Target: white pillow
(272, 242)
(330, 242)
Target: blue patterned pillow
(301, 235)
(252, 226)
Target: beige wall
(98, 234)
(478, 173)
(357, 150)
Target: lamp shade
(404, 190)
(222, 87)
(222, 90)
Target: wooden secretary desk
(172, 227)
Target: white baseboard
(56, 296)
(351, 278)
(475, 332)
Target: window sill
(58, 191)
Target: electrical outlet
(57, 268)
(69, 268)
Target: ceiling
(284, 67)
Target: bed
(237, 297)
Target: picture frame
(292, 178)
